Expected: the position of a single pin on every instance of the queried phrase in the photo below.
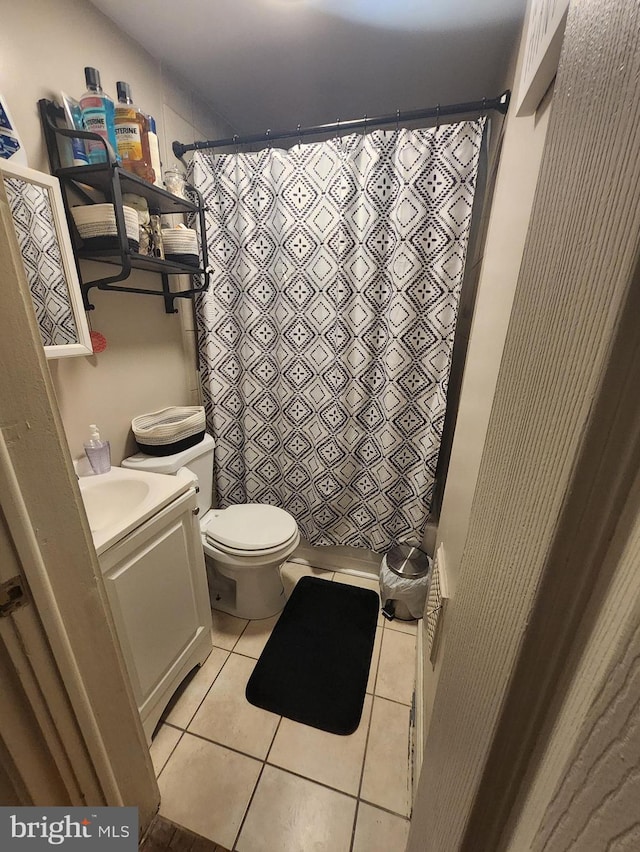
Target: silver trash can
(404, 582)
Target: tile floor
(256, 782)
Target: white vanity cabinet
(157, 587)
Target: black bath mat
(315, 665)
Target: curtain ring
(484, 107)
(299, 138)
(438, 117)
(266, 136)
(364, 127)
(397, 121)
(235, 139)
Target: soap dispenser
(98, 452)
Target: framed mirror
(41, 228)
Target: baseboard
(350, 560)
(417, 732)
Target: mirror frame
(51, 185)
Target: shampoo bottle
(98, 452)
(154, 150)
(132, 135)
(98, 117)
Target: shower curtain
(326, 333)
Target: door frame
(61, 646)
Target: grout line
(355, 823)
(392, 700)
(375, 677)
(224, 745)
(273, 739)
(366, 748)
(255, 789)
(385, 809)
(163, 767)
(364, 759)
(388, 626)
(375, 683)
(228, 650)
(239, 634)
(264, 763)
(191, 718)
(312, 781)
(353, 796)
(374, 804)
(246, 656)
(248, 808)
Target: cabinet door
(156, 584)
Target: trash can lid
(407, 560)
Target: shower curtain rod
(500, 104)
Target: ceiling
(276, 63)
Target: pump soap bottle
(132, 135)
(97, 117)
(98, 452)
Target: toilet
(244, 545)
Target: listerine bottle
(132, 135)
(98, 117)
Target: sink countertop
(119, 501)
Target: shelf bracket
(169, 298)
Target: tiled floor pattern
(256, 782)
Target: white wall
(149, 363)
(500, 264)
(509, 219)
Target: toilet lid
(250, 526)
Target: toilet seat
(238, 551)
(249, 529)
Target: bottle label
(129, 140)
(95, 121)
(94, 118)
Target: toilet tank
(198, 459)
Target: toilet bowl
(244, 545)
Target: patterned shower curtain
(327, 330)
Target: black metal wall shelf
(98, 177)
(141, 261)
(112, 182)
